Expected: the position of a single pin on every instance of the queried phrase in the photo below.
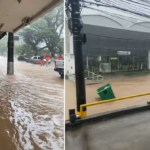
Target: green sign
(114, 58)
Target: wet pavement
(31, 108)
(129, 132)
(122, 86)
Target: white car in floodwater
(59, 67)
(36, 60)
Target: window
(34, 57)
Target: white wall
(69, 64)
(110, 17)
(69, 54)
(67, 38)
(112, 22)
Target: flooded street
(129, 132)
(31, 108)
(123, 86)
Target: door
(35, 59)
(38, 60)
(123, 64)
(114, 63)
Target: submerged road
(31, 108)
(123, 86)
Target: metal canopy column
(10, 59)
(77, 44)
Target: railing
(106, 101)
(93, 76)
(71, 76)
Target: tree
(24, 49)
(55, 19)
(46, 30)
(32, 39)
(3, 46)
(50, 29)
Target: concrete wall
(69, 62)
(69, 57)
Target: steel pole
(77, 44)
(10, 59)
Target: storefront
(115, 52)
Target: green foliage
(23, 50)
(31, 39)
(130, 63)
(46, 30)
(66, 77)
(3, 46)
(86, 70)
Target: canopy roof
(15, 14)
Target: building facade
(114, 44)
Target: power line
(115, 16)
(138, 3)
(132, 14)
(131, 4)
(131, 8)
(119, 8)
(134, 7)
(114, 7)
(126, 2)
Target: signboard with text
(124, 53)
(16, 38)
(113, 58)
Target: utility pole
(10, 59)
(75, 26)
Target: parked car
(36, 60)
(23, 58)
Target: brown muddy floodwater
(123, 86)
(31, 108)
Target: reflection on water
(31, 108)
